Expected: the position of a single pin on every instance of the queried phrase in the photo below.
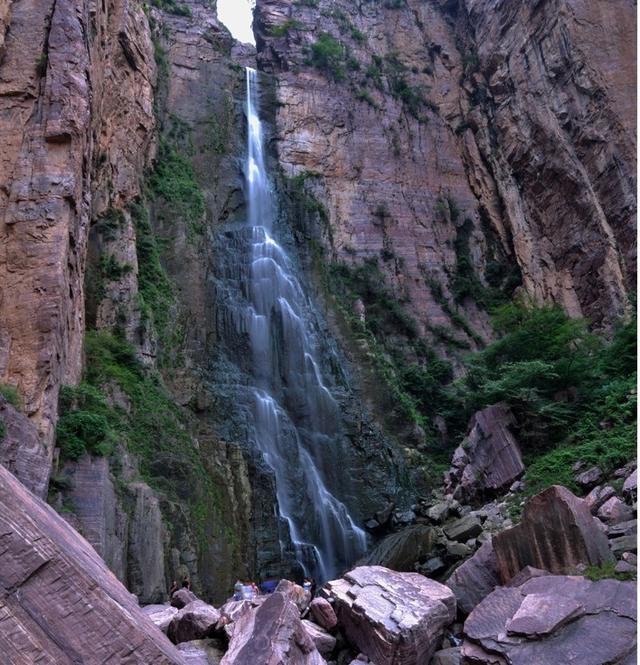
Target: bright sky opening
(237, 16)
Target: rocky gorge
(394, 351)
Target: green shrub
(11, 394)
(328, 54)
(283, 29)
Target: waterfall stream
(297, 419)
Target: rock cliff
(466, 146)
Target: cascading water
(296, 418)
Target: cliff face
(429, 124)
(75, 91)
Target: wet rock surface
(554, 619)
(59, 600)
(393, 618)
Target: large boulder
(295, 593)
(394, 618)
(554, 619)
(160, 615)
(272, 634)
(231, 611)
(58, 598)
(465, 528)
(401, 550)
(475, 579)
(615, 511)
(557, 533)
(489, 458)
(325, 642)
(182, 597)
(323, 614)
(194, 621)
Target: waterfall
(296, 418)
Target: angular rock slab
(552, 620)
(475, 579)
(557, 532)
(489, 459)
(59, 603)
(394, 618)
(272, 634)
(325, 643)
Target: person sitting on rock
(237, 590)
(247, 590)
(186, 584)
(174, 588)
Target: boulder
(489, 459)
(450, 656)
(630, 486)
(597, 496)
(615, 511)
(295, 593)
(394, 618)
(60, 603)
(194, 621)
(464, 528)
(325, 643)
(272, 633)
(439, 512)
(623, 529)
(623, 544)
(400, 551)
(201, 652)
(557, 532)
(160, 615)
(553, 619)
(323, 614)
(231, 611)
(182, 597)
(475, 579)
(590, 477)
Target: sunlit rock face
(518, 118)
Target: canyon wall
(449, 153)
(425, 126)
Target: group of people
(186, 584)
(247, 590)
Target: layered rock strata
(415, 117)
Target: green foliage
(283, 29)
(111, 269)
(328, 54)
(172, 7)
(109, 223)
(365, 96)
(85, 423)
(174, 181)
(607, 571)
(3, 430)
(220, 128)
(11, 394)
(41, 64)
(155, 288)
